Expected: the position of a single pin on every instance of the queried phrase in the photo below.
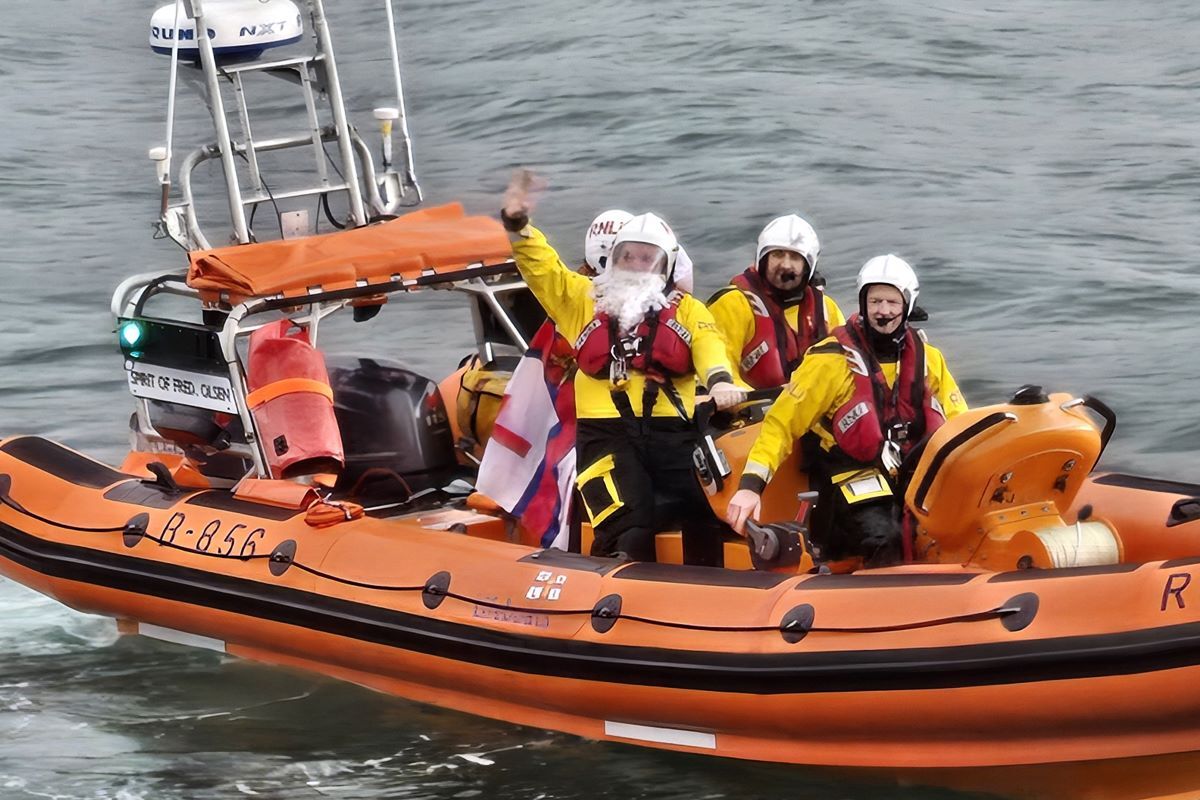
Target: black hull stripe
(1148, 484)
(702, 576)
(56, 460)
(225, 501)
(1066, 658)
(852, 581)
(1061, 573)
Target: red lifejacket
(660, 345)
(558, 357)
(860, 425)
(776, 349)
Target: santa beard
(628, 296)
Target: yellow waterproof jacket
(822, 384)
(736, 321)
(567, 298)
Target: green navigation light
(131, 335)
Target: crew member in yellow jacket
(776, 309)
(869, 392)
(641, 345)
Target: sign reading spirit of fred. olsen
(153, 382)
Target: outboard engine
(394, 425)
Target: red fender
(292, 402)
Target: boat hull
(925, 670)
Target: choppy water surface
(1037, 162)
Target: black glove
(514, 224)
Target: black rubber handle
(1110, 419)
(764, 394)
(764, 540)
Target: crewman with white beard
(641, 345)
(598, 242)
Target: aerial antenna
(161, 156)
(410, 171)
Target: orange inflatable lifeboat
(1038, 586)
(1028, 646)
(1045, 643)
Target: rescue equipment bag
(291, 402)
(480, 394)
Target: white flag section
(566, 491)
(528, 465)
(512, 459)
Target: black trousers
(869, 528)
(636, 478)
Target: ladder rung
(284, 142)
(287, 195)
(256, 66)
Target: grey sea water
(1036, 161)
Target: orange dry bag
(291, 402)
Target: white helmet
(684, 279)
(891, 270)
(650, 229)
(598, 241)
(793, 233)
